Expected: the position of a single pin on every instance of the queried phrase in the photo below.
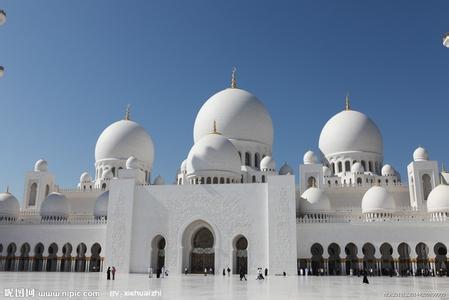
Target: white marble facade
(230, 207)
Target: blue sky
(73, 66)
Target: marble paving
(135, 286)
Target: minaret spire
(443, 169)
(128, 111)
(215, 128)
(347, 106)
(234, 78)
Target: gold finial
(215, 128)
(128, 111)
(234, 79)
(347, 107)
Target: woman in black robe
(365, 277)
(108, 273)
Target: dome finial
(215, 128)
(347, 107)
(234, 78)
(127, 113)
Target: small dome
(41, 166)
(107, 174)
(184, 165)
(101, 205)
(388, 170)
(159, 180)
(213, 152)
(55, 205)
(9, 206)
(438, 200)
(309, 158)
(85, 177)
(377, 199)
(132, 163)
(123, 139)
(240, 115)
(285, 170)
(327, 171)
(267, 164)
(314, 199)
(420, 154)
(357, 168)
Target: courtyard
(136, 286)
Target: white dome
(267, 164)
(239, 115)
(326, 171)
(132, 163)
(420, 154)
(159, 180)
(184, 165)
(85, 177)
(41, 166)
(377, 199)
(107, 174)
(123, 139)
(55, 205)
(388, 170)
(213, 152)
(350, 131)
(285, 170)
(438, 200)
(101, 205)
(309, 158)
(314, 199)
(9, 205)
(357, 168)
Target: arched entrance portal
(317, 259)
(352, 261)
(203, 255)
(387, 262)
(441, 257)
(198, 244)
(405, 264)
(422, 260)
(240, 255)
(158, 253)
(334, 261)
(95, 258)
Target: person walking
(211, 271)
(108, 273)
(259, 274)
(205, 271)
(229, 271)
(185, 271)
(113, 272)
(224, 272)
(242, 274)
(266, 272)
(365, 277)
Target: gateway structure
(229, 205)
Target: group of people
(111, 270)
(160, 272)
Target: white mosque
(229, 205)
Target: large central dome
(123, 139)
(350, 131)
(239, 115)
